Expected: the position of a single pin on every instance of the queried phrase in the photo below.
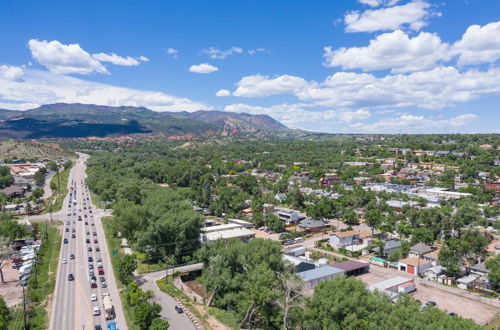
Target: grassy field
(42, 283)
(114, 245)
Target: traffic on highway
(82, 296)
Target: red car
(100, 270)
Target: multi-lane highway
(84, 255)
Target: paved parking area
(448, 302)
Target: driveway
(176, 320)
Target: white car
(64, 261)
(93, 297)
(96, 311)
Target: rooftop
(421, 248)
(320, 272)
(390, 283)
(414, 261)
(351, 265)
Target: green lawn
(42, 282)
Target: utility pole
(24, 308)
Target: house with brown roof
(414, 265)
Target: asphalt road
(72, 307)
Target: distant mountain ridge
(72, 120)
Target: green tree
(126, 267)
(493, 264)
(145, 313)
(159, 324)
(373, 218)
(5, 315)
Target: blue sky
(348, 66)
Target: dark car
(87, 240)
(86, 222)
(95, 240)
(71, 277)
(91, 266)
(179, 309)
(65, 241)
(67, 230)
(97, 249)
(89, 249)
(95, 234)
(73, 236)
(102, 279)
(72, 256)
(98, 327)
(91, 259)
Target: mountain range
(63, 120)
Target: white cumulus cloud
(64, 59)
(10, 72)
(203, 68)
(223, 92)
(393, 50)
(479, 44)
(412, 15)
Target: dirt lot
(448, 302)
(263, 234)
(11, 291)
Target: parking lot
(448, 302)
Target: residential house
(346, 238)
(467, 282)
(414, 265)
(312, 226)
(13, 191)
(493, 185)
(434, 272)
(432, 256)
(389, 247)
(329, 179)
(312, 278)
(280, 197)
(418, 250)
(289, 217)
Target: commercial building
(353, 267)
(213, 233)
(394, 285)
(312, 278)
